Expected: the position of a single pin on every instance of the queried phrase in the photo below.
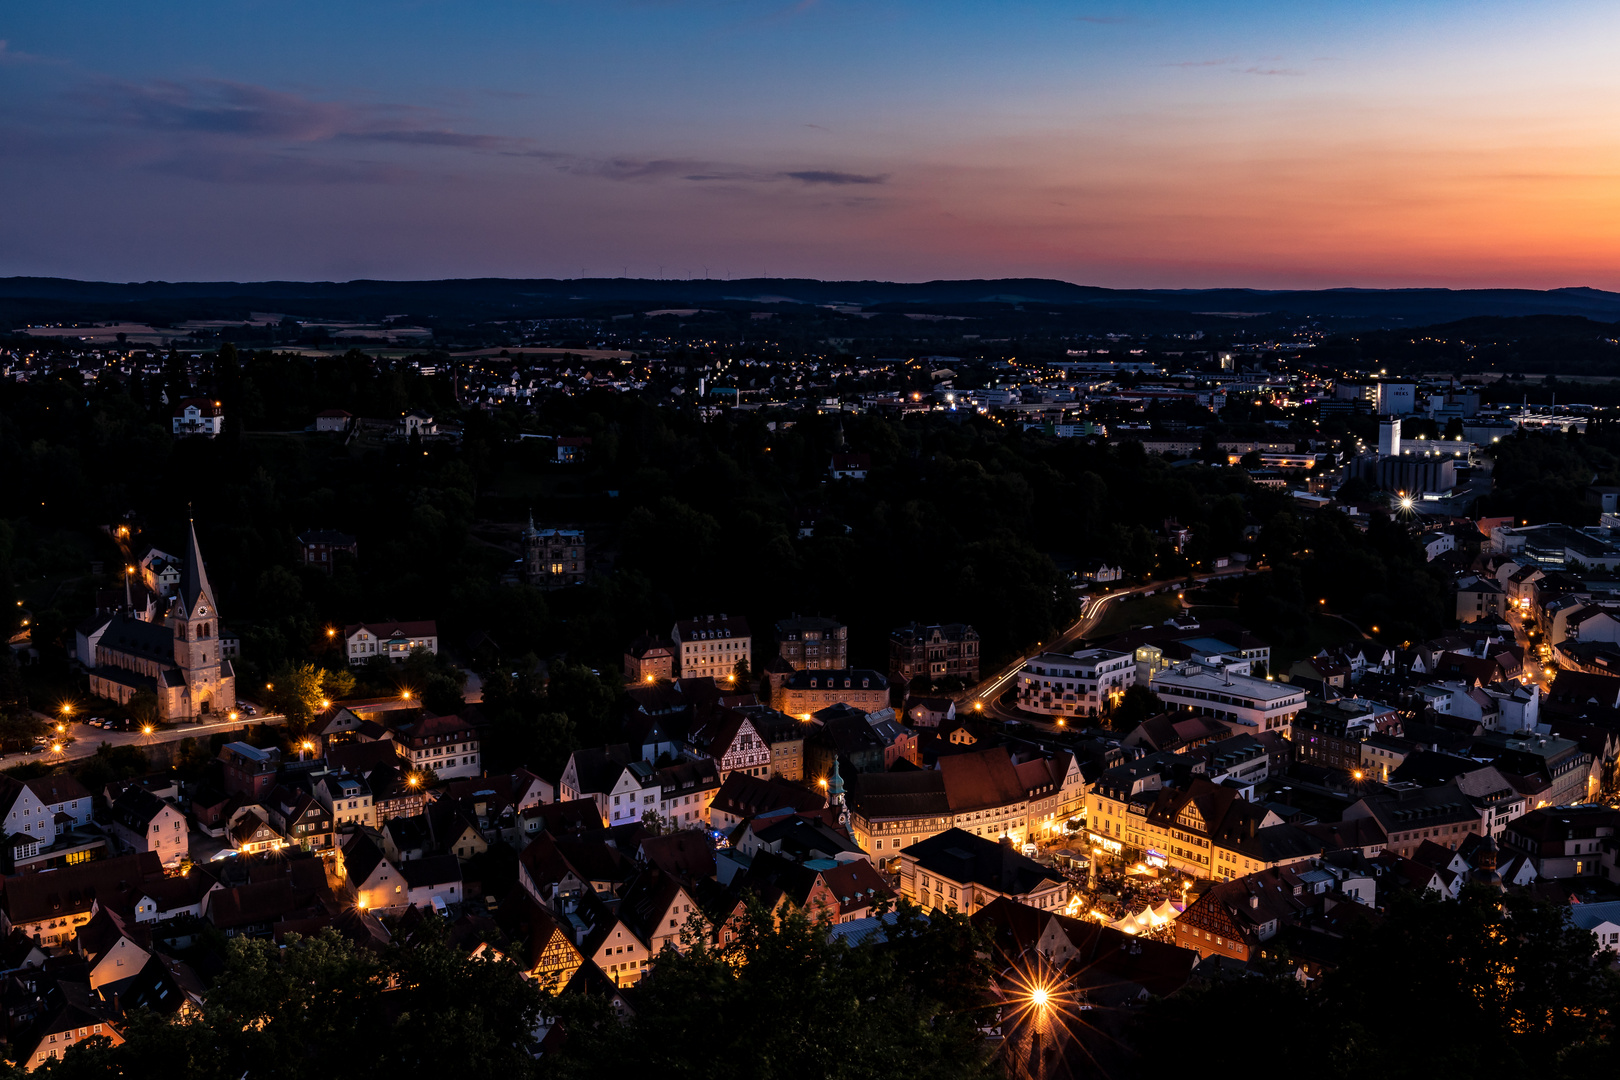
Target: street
(87, 739)
(983, 697)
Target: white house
(333, 420)
(1078, 684)
(1603, 919)
(1250, 702)
(849, 466)
(394, 640)
(24, 812)
(199, 416)
(66, 801)
(144, 822)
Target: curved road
(987, 692)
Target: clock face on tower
(203, 610)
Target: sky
(1149, 143)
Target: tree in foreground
(324, 1007)
(780, 1001)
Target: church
(176, 656)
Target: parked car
(39, 749)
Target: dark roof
(959, 856)
(984, 778)
(746, 796)
(687, 854)
(899, 794)
(73, 889)
(362, 854)
(837, 679)
(385, 630)
(127, 634)
(59, 788)
(645, 900)
(326, 536)
(136, 808)
(431, 871)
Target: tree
(324, 1006)
(1135, 706)
(797, 1003)
(296, 693)
(144, 708)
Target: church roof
(196, 579)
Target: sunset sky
(1300, 144)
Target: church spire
(196, 583)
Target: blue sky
(1175, 144)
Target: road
(988, 691)
(88, 739)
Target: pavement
(87, 739)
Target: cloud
(434, 138)
(637, 169)
(1223, 61)
(217, 107)
(699, 171)
(244, 111)
(266, 168)
(1271, 71)
(826, 176)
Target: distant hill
(25, 299)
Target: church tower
(210, 682)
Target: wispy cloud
(270, 168)
(456, 139)
(218, 107)
(1272, 71)
(698, 171)
(827, 176)
(233, 132)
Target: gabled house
(347, 800)
(377, 883)
(301, 818)
(548, 955)
(64, 798)
(253, 834)
(73, 1013)
(611, 944)
(657, 907)
(25, 813)
(113, 950)
(144, 822)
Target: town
(1065, 692)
